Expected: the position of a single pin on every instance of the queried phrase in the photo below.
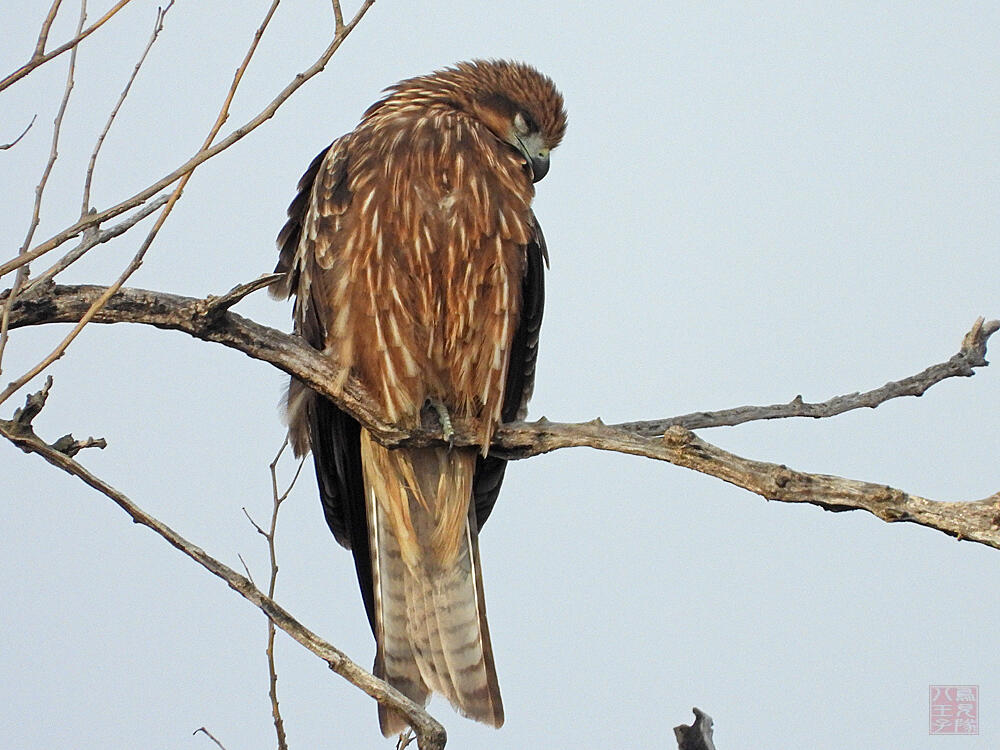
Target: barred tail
(429, 608)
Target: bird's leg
(444, 418)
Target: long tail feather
(430, 610)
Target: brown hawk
(416, 261)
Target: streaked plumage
(416, 260)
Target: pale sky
(752, 201)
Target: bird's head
(519, 105)
(522, 132)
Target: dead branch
(5, 146)
(430, 734)
(203, 155)
(22, 272)
(161, 14)
(20, 425)
(977, 521)
(971, 355)
(218, 305)
(277, 498)
(43, 34)
(39, 58)
(210, 736)
(698, 736)
(91, 238)
(197, 317)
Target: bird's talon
(444, 419)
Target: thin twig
(914, 385)
(246, 568)
(22, 272)
(200, 157)
(137, 259)
(91, 238)
(338, 15)
(38, 59)
(5, 146)
(161, 14)
(277, 499)
(209, 735)
(218, 305)
(257, 527)
(430, 734)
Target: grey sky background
(753, 201)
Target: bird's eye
(520, 124)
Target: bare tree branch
(219, 305)
(977, 521)
(21, 424)
(971, 355)
(137, 259)
(161, 14)
(5, 146)
(43, 34)
(66, 304)
(38, 58)
(698, 736)
(277, 499)
(431, 735)
(210, 736)
(199, 158)
(93, 237)
(22, 272)
(269, 535)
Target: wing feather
(520, 372)
(315, 422)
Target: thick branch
(203, 319)
(698, 736)
(977, 521)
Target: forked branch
(39, 57)
(430, 734)
(976, 521)
(201, 156)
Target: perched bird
(416, 261)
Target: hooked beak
(539, 166)
(536, 154)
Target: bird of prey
(416, 262)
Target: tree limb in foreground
(430, 734)
(209, 319)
